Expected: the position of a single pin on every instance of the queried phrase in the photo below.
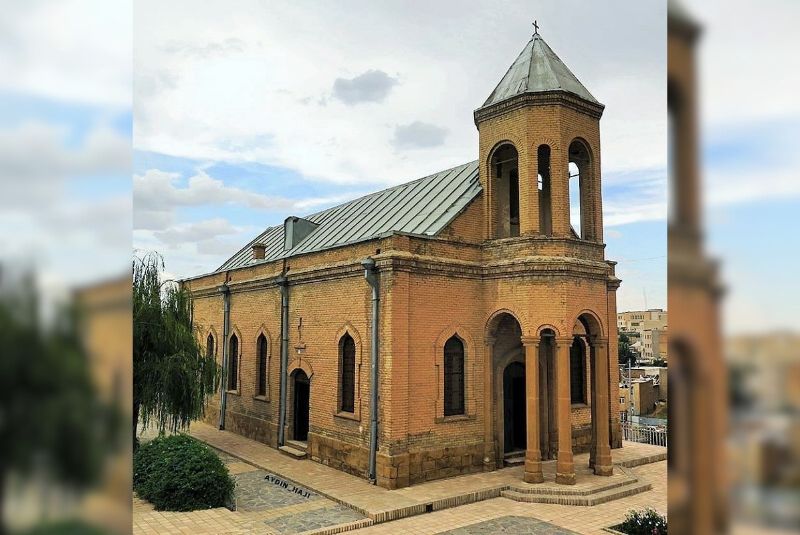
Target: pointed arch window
(233, 363)
(347, 350)
(261, 365)
(453, 377)
(210, 346)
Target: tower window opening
(582, 191)
(545, 210)
(506, 202)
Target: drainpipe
(226, 321)
(371, 274)
(283, 283)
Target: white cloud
(200, 231)
(156, 195)
(418, 135)
(372, 86)
(35, 161)
(263, 102)
(72, 50)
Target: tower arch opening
(581, 216)
(543, 183)
(505, 185)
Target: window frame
(454, 377)
(262, 367)
(233, 364)
(343, 369)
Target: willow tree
(172, 375)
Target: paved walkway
(280, 495)
(381, 504)
(584, 520)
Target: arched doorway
(508, 389)
(301, 389)
(514, 421)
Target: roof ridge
(384, 190)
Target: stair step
(579, 500)
(293, 452)
(296, 444)
(514, 461)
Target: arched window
(347, 351)
(233, 363)
(210, 346)
(261, 365)
(581, 216)
(453, 377)
(505, 172)
(577, 371)
(545, 210)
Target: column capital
(600, 343)
(530, 340)
(564, 340)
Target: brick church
(457, 323)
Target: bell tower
(539, 137)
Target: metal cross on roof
(535, 27)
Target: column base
(603, 465)
(533, 472)
(565, 479)
(603, 470)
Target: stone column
(565, 467)
(489, 463)
(603, 465)
(533, 456)
(528, 193)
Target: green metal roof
(537, 69)
(425, 206)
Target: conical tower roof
(537, 70)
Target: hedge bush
(180, 473)
(645, 522)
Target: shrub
(646, 522)
(180, 473)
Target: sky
(245, 116)
(65, 141)
(749, 72)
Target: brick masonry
(465, 282)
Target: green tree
(172, 375)
(626, 352)
(52, 422)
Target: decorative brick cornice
(545, 98)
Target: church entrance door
(514, 422)
(301, 405)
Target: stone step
(296, 444)
(516, 460)
(576, 499)
(293, 452)
(572, 490)
(639, 461)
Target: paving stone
(259, 490)
(519, 525)
(315, 519)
